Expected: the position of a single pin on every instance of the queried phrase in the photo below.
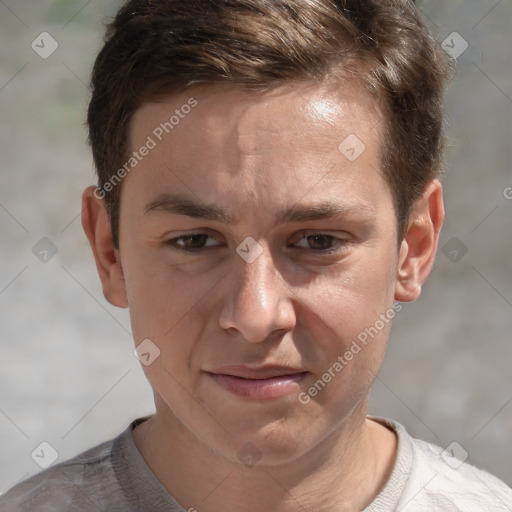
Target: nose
(257, 303)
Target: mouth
(258, 383)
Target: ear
(418, 248)
(96, 224)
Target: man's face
(245, 327)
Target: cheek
(170, 307)
(161, 308)
(160, 295)
(353, 298)
(350, 321)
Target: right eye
(192, 242)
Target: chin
(273, 443)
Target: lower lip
(259, 389)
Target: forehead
(237, 141)
(288, 110)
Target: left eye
(318, 242)
(193, 241)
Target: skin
(300, 303)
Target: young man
(267, 190)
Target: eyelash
(173, 242)
(336, 243)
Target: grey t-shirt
(113, 476)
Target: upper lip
(263, 372)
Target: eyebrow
(178, 205)
(324, 210)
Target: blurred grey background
(67, 372)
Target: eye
(318, 242)
(192, 241)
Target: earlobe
(418, 248)
(96, 225)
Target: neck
(344, 472)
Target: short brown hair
(168, 45)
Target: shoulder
(440, 480)
(64, 485)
